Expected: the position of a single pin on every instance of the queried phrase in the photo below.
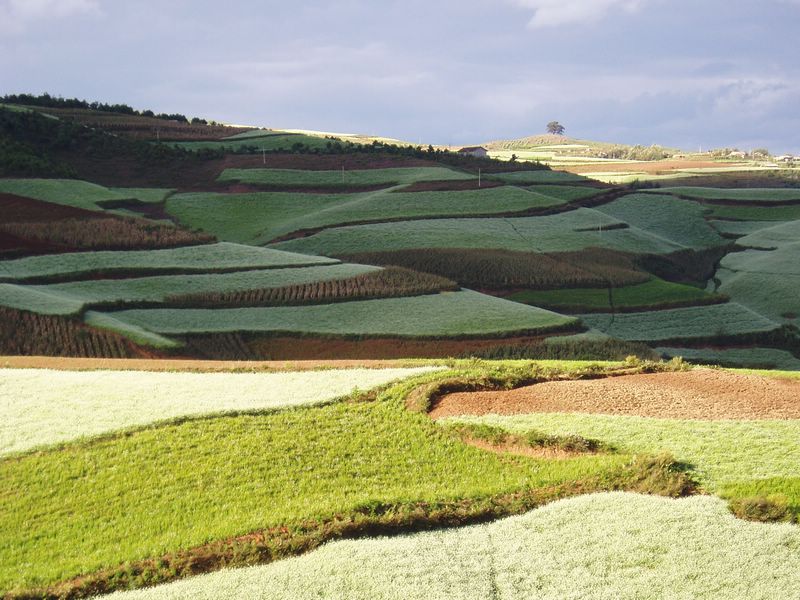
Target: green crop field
(768, 358)
(450, 314)
(573, 230)
(739, 228)
(257, 218)
(191, 259)
(299, 177)
(721, 453)
(81, 194)
(681, 323)
(39, 301)
(652, 293)
(772, 294)
(566, 193)
(126, 497)
(612, 545)
(542, 176)
(270, 143)
(44, 408)
(159, 288)
(745, 195)
(678, 221)
(772, 236)
(756, 213)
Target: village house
(478, 151)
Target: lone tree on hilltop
(555, 128)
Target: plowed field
(699, 394)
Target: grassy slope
(726, 455)
(655, 291)
(756, 213)
(746, 195)
(77, 193)
(613, 545)
(573, 230)
(353, 177)
(679, 323)
(260, 217)
(205, 258)
(44, 407)
(270, 143)
(136, 496)
(532, 177)
(449, 314)
(567, 193)
(157, 289)
(676, 220)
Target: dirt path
(707, 394)
(137, 364)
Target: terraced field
(81, 194)
(297, 177)
(258, 218)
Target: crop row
(503, 269)
(386, 283)
(27, 333)
(106, 234)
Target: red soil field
(653, 167)
(704, 394)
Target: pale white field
(598, 547)
(41, 407)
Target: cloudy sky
(683, 73)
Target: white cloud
(17, 15)
(552, 13)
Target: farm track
(591, 202)
(700, 394)
(59, 363)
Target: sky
(681, 73)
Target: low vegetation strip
(156, 289)
(563, 232)
(697, 322)
(296, 177)
(612, 545)
(40, 407)
(81, 194)
(652, 294)
(720, 452)
(190, 259)
(394, 282)
(450, 314)
(505, 269)
(763, 358)
(744, 195)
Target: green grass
(737, 357)
(756, 213)
(42, 408)
(681, 323)
(542, 176)
(449, 314)
(300, 177)
(257, 218)
(573, 230)
(745, 195)
(159, 288)
(654, 292)
(678, 221)
(133, 332)
(566, 193)
(721, 453)
(81, 194)
(772, 236)
(738, 227)
(159, 490)
(270, 143)
(190, 259)
(39, 301)
(602, 546)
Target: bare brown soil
(158, 364)
(653, 167)
(20, 209)
(550, 452)
(706, 394)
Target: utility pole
(342, 173)
(263, 156)
(479, 177)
